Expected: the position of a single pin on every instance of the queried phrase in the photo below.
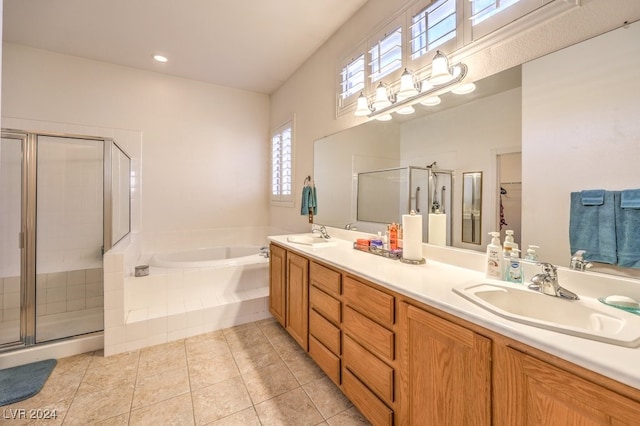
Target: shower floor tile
(253, 374)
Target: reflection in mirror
(471, 207)
(121, 205)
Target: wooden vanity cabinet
(534, 392)
(325, 318)
(403, 362)
(297, 299)
(288, 292)
(368, 357)
(277, 282)
(445, 371)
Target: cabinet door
(445, 371)
(538, 393)
(277, 280)
(297, 290)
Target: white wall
(204, 160)
(310, 93)
(491, 126)
(591, 133)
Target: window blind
(352, 77)
(433, 26)
(386, 55)
(282, 161)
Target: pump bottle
(494, 257)
(515, 269)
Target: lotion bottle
(494, 257)
(393, 237)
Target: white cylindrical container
(438, 229)
(412, 239)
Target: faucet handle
(549, 269)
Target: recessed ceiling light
(160, 58)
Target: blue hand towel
(313, 200)
(628, 228)
(593, 228)
(592, 197)
(630, 199)
(304, 208)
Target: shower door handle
(20, 240)
(417, 199)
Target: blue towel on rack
(592, 228)
(592, 197)
(630, 199)
(304, 208)
(628, 227)
(309, 200)
(313, 200)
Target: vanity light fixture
(440, 71)
(464, 89)
(443, 78)
(160, 58)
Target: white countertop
(432, 284)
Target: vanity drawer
(369, 334)
(325, 278)
(325, 304)
(324, 331)
(375, 304)
(366, 366)
(326, 360)
(370, 405)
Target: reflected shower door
(69, 237)
(10, 226)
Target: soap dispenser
(493, 266)
(515, 269)
(509, 242)
(532, 255)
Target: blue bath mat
(24, 381)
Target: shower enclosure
(385, 195)
(56, 216)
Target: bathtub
(196, 291)
(211, 257)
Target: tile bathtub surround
(253, 374)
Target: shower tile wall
(10, 299)
(69, 291)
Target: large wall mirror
(557, 111)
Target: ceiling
(251, 44)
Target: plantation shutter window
(282, 165)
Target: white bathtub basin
(311, 240)
(584, 318)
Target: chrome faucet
(322, 230)
(578, 263)
(264, 251)
(350, 227)
(546, 282)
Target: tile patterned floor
(253, 374)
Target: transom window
(484, 9)
(386, 55)
(432, 26)
(352, 77)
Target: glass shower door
(69, 237)
(10, 227)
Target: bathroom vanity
(405, 349)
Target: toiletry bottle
(509, 242)
(531, 253)
(393, 237)
(515, 269)
(386, 237)
(494, 257)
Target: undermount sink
(584, 318)
(311, 240)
